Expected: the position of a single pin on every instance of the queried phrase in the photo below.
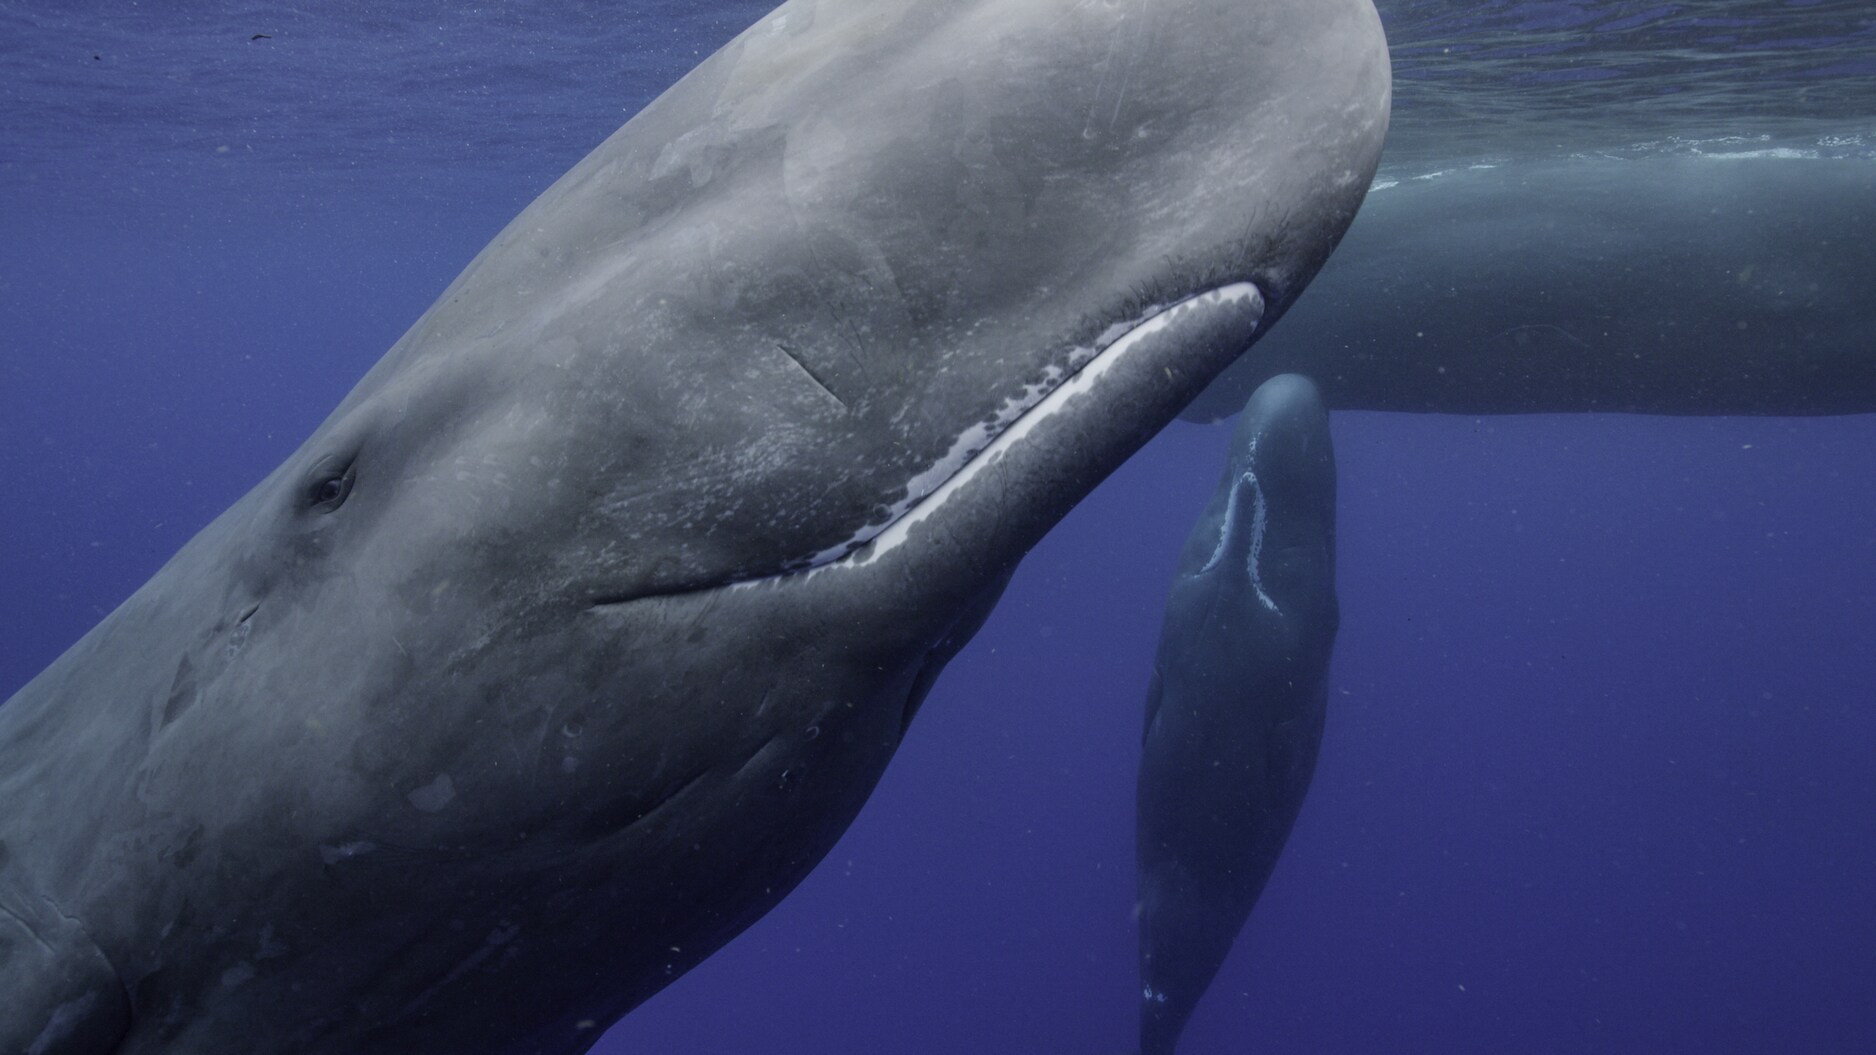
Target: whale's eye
(329, 486)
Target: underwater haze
(1600, 766)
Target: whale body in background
(582, 628)
(1234, 712)
(1682, 284)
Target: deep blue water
(1598, 773)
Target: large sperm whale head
(585, 624)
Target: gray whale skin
(1235, 709)
(1658, 285)
(586, 623)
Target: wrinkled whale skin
(580, 630)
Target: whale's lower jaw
(984, 445)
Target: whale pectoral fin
(60, 994)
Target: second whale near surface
(585, 624)
(1657, 283)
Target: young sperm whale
(1234, 712)
(580, 630)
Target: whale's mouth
(984, 444)
(981, 445)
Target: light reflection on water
(1493, 76)
(467, 97)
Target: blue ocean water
(1598, 768)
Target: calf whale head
(583, 627)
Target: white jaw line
(1260, 515)
(983, 444)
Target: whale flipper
(1235, 709)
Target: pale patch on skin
(346, 851)
(435, 795)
